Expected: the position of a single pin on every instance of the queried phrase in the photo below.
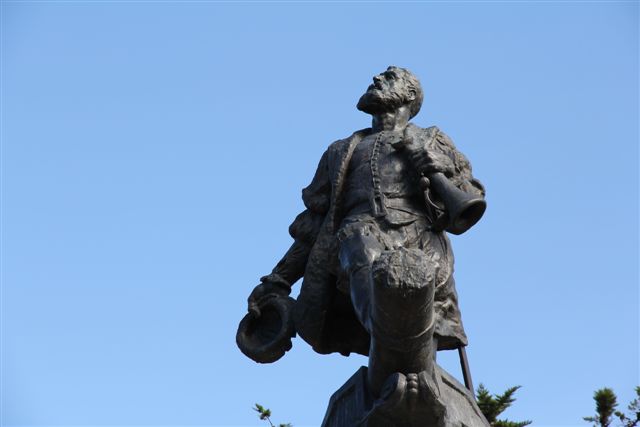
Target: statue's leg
(402, 316)
(392, 294)
(359, 248)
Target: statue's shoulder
(430, 130)
(357, 135)
(341, 147)
(427, 133)
(433, 137)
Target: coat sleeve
(462, 177)
(305, 228)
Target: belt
(402, 204)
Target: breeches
(363, 241)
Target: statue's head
(391, 90)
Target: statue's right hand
(264, 291)
(264, 334)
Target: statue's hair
(413, 84)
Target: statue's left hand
(426, 162)
(432, 162)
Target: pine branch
(606, 403)
(634, 411)
(505, 400)
(486, 403)
(507, 423)
(265, 414)
(492, 406)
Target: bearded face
(388, 92)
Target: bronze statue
(377, 265)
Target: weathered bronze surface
(377, 267)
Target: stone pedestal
(407, 401)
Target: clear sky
(153, 155)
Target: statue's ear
(411, 94)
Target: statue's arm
(304, 230)
(290, 268)
(445, 170)
(432, 151)
(461, 173)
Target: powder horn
(463, 210)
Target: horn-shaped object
(463, 210)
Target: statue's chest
(377, 161)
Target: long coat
(323, 315)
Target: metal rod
(466, 372)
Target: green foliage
(492, 406)
(634, 408)
(265, 414)
(606, 404)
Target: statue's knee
(402, 300)
(357, 250)
(404, 269)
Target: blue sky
(152, 159)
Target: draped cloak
(323, 315)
